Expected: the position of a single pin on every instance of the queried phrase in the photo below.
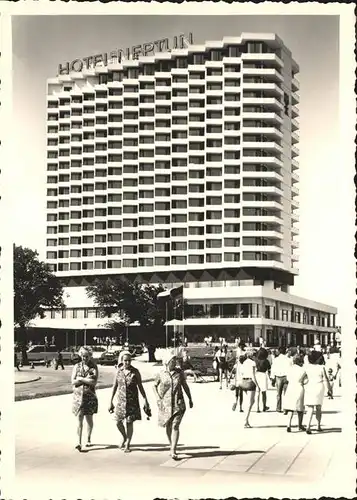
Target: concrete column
(288, 335)
(304, 337)
(257, 333)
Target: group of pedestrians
(169, 388)
(300, 379)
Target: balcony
(295, 85)
(262, 233)
(262, 115)
(263, 131)
(261, 218)
(295, 125)
(262, 248)
(272, 262)
(295, 138)
(295, 151)
(262, 174)
(295, 217)
(294, 112)
(271, 87)
(295, 177)
(294, 204)
(262, 189)
(262, 56)
(294, 164)
(261, 204)
(269, 160)
(295, 99)
(270, 145)
(271, 101)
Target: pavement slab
(218, 456)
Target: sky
(326, 224)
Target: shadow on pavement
(98, 447)
(165, 447)
(220, 453)
(331, 429)
(267, 426)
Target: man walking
(59, 360)
(280, 368)
(16, 361)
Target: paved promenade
(219, 458)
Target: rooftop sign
(131, 53)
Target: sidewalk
(219, 457)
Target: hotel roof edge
(209, 44)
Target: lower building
(228, 309)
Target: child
(238, 390)
(331, 378)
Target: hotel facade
(182, 168)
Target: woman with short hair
(315, 389)
(169, 386)
(249, 382)
(295, 392)
(263, 371)
(85, 401)
(127, 385)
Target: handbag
(247, 385)
(232, 387)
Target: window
(179, 260)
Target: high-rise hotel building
(182, 167)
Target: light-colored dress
(295, 392)
(315, 387)
(171, 405)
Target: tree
(130, 303)
(36, 289)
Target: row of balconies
(251, 113)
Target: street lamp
(85, 333)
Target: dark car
(108, 358)
(136, 350)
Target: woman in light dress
(126, 387)
(295, 392)
(85, 402)
(169, 386)
(315, 389)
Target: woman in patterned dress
(171, 404)
(127, 385)
(85, 402)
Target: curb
(40, 395)
(27, 381)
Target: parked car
(108, 358)
(97, 351)
(39, 353)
